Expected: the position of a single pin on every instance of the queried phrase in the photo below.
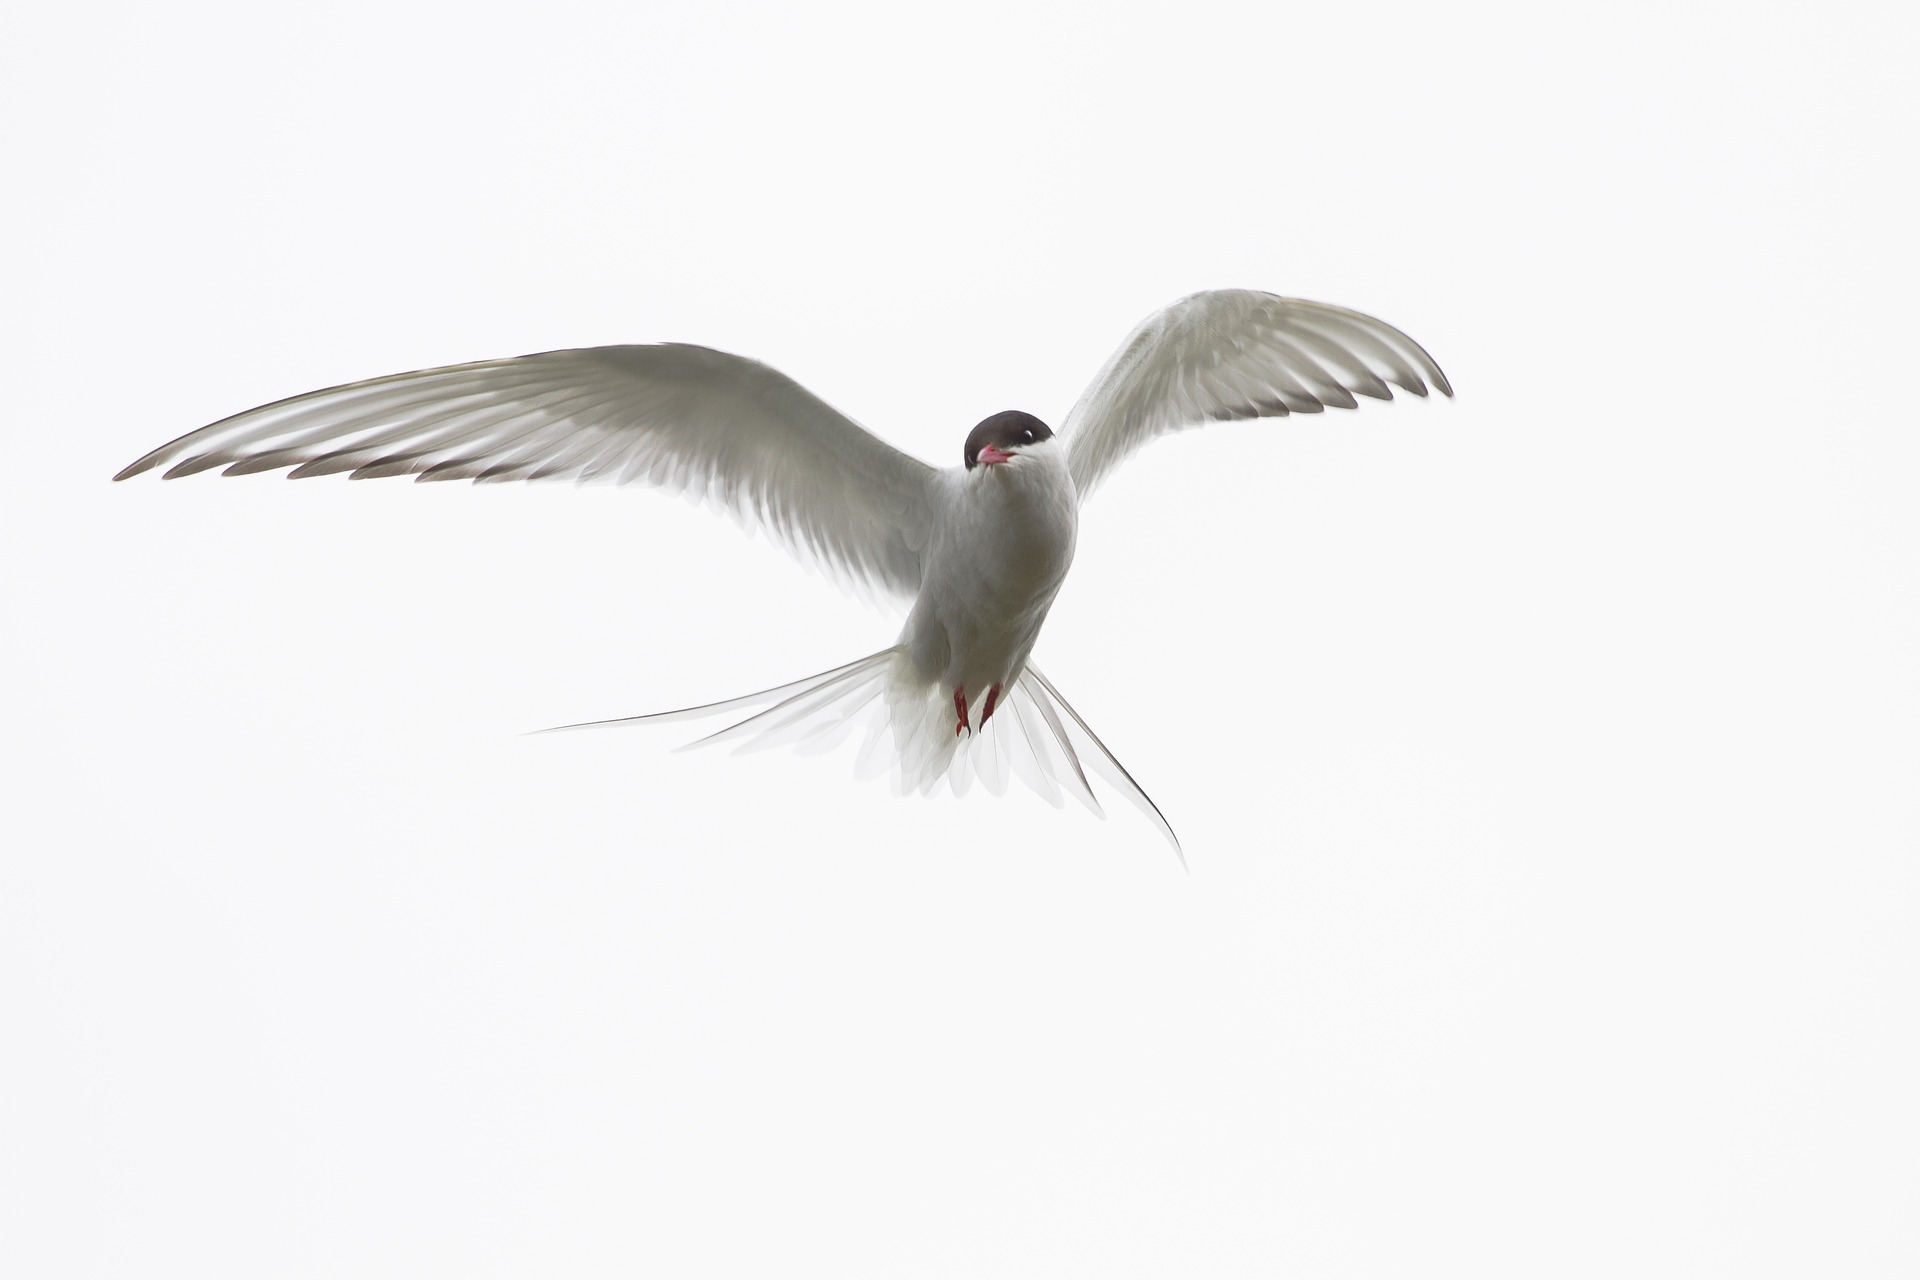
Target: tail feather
(1108, 765)
(1028, 763)
(709, 709)
(1052, 749)
(815, 711)
(907, 726)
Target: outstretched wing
(1236, 353)
(683, 418)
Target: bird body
(1000, 550)
(977, 553)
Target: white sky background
(1546, 759)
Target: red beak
(990, 454)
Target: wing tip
(193, 466)
(146, 462)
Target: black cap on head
(1007, 430)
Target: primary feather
(682, 418)
(1236, 353)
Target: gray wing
(1236, 353)
(683, 418)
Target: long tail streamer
(907, 728)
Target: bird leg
(986, 712)
(960, 709)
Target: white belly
(995, 563)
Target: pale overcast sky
(1545, 759)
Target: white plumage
(978, 552)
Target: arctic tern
(977, 552)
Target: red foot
(960, 709)
(986, 712)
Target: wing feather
(1234, 354)
(683, 418)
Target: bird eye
(1027, 435)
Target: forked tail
(907, 731)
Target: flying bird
(976, 552)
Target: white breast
(1001, 548)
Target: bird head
(1000, 439)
